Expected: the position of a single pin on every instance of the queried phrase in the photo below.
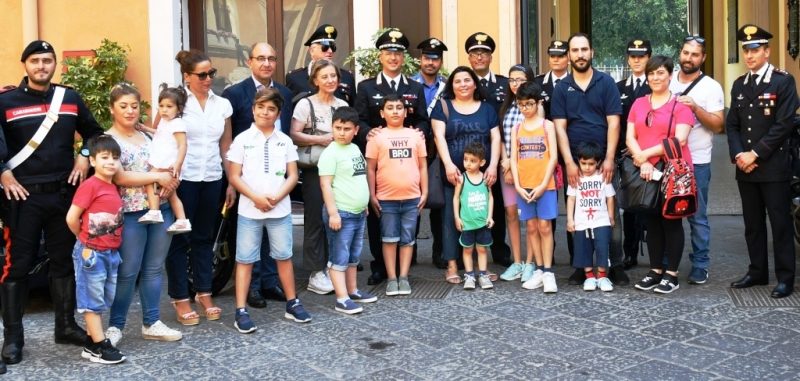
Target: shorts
(545, 208)
(95, 277)
(344, 246)
(481, 237)
(509, 193)
(591, 247)
(399, 221)
(250, 231)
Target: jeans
(95, 277)
(143, 251)
(591, 247)
(250, 231)
(399, 221)
(345, 245)
(200, 200)
(265, 271)
(700, 229)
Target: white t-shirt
(250, 149)
(591, 210)
(322, 112)
(708, 95)
(164, 148)
(204, 128)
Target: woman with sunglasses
(208, 136)
(652, 119)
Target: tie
(556, 81)
(484, 83)
(638, 84)
(393, 84)
(753, 79)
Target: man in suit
(321, 45)
(559, 63)
(392, 45)
(262, 61)
(760, 120)
(480, 47)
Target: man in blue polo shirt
(585, 107)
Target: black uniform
(547, 81)
(297, 82)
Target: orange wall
(10, 67)
(477, 16)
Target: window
(530, 33)
(302, 17)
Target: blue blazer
(241, 96)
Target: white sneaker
(152, 217)
(319, 283)
(159, 331)
(535, 281)
(605, 284)
(549, 280)
(590, 284)
(114, 335)
(180, 226)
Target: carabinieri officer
(760, 120)
(559, 63)
(322, 45)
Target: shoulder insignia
(780, 71)
(7, 88)
(742, 76)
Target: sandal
(213, 312)
(492, 276)
(188, 318)
(452, 278)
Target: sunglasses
(700, 40)
(206, 74)
(649, 119)
(326, 45)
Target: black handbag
(636, 194)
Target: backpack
(678, 185)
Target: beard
(688, 68)
(584, 68)
(39, 81)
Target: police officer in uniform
(559, 63)
(392, 45)
(39, 180)
(760, 120)
(322, 45)
(480, 47)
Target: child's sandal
(212, 312)
(188, 318)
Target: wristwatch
(85, 152)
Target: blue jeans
(250, 231)
(95, 277)
(344, 246)
(200, 201)
(701, 231)
(399, 221)
(591, 247)
(143, 251)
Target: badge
(766, 111)
(623, 96)
(740, 97)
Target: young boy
(95, 217)
(473, 203)
(397, 173)
(343, 179)
(590, 215)
(263, 168)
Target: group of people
(504, 147)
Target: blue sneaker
(512, 272)
(362, 296)
(527, 272)
(698, 276)
(242, 321)
(296, 312)
(349, 307)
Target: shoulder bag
(308, 156)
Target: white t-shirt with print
(591, 210)
(707, 94)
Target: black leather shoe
(782, 290)
(274, 293)
(375, 278)
(255, 300)
(748, 281)
(3, 369)
(438, 261)
(13, 295)
(617, 276)
(629, 263)
(578, 277)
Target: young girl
(167, 152)
(533, 160)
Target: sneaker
(114, 335)
(404, 288)
(319, 283)
(159, 331)
(649, 281)
(485, 282)
(392, 288)
(362, 296)
(349, 307)
(151, 217)
(180, 226)
(535, 281)
(242, 321)
(527, 272)
(296, 312)
(469, 282)
(577, 277)
(102, 352)
(605, 284)
(512, 272)
(698, 276)
(590, 284)
(549, 282)
(668, 284)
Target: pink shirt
(650, 136)
(397, 152)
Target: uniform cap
(637, 47)
(432, 47)
(392, 39)
(479, 40)
(36, 47)
(752, 36)
(325, 33)
(557, 48)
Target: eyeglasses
(479, 54)
(700, 40)
(206, 74)
(527, 105)
(517, 81)
(263, 59)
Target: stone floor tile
(606, 359)
(687, 355)
(729, 343)
(660, 370)
(749, 368)
(676, 329)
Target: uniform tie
(484, 82)
(638, 84)
(556, 81)
(753, 79)
(393, 84)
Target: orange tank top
(533, 155)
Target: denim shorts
(591, 247)
(399, 221)
(545, 208)
(95, 277)
(481, 237)
(250, 231)
(344, 246)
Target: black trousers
(758, 201)
(633, 227)
(664, 239)
(315, 244)
(501, 253)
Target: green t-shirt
(474, 204)
(349, 170)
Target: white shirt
(164, 148)
(591, 210)
(204, 129)
(707, 94)
(250, 149)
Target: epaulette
(540, 75)
(7, 88)
(781, 71)
(743, 75)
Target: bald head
(263, 61)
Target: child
(533, 160)
(166, 154)
(263, 168)
(397, 173)
(472, 204)
(590, 215)
(343, 179)
(95, 217)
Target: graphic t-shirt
(397, 151)
(474, 201)
(349, 170)
(591, 210)
(463, 129)
(533, 155)
(101, 221)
